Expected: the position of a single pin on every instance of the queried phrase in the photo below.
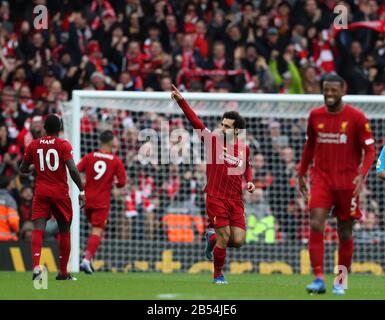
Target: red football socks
(219, 260)
(65, 250)
(93, 244)
(36, 244)
(316, 251)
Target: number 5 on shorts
(353, 205)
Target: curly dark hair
(239, 122)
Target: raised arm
(190, 114)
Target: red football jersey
(49, 155)
(336, 141)
(101, 168)
(226, 169)
(226, 164)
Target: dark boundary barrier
(147, 256)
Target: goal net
(157, 223)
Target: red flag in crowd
(378, 26)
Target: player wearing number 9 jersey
(50, 156)
(101, 168)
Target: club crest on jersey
(367, 127)
(321, 126)
(344, 124)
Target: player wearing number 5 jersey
(341, 145)
(101, 168)
(50, 156)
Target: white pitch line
(168, 295)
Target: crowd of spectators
(272, 46)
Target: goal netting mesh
(158, 222)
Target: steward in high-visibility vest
(9, 217)
(259, 220)
(260, 230)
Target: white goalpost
(159, 223)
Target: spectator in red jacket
(200, 40)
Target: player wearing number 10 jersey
(101, 168)
(50, 156)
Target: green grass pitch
(153, 286)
